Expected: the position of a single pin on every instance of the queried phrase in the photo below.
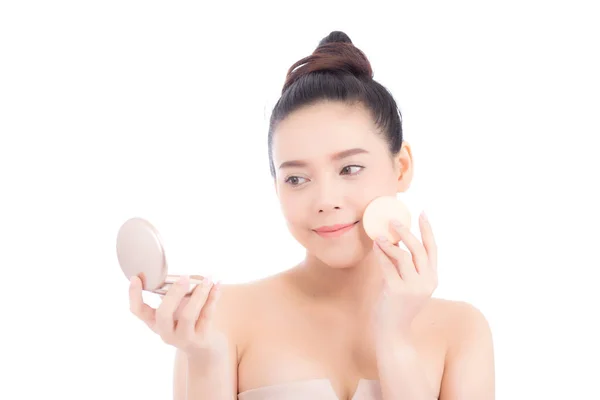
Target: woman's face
(330, 162)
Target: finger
(136, 303)
(195, 280)
(165, 321)
(191, 312)
(418, 252)
(400, 258)
(207, 313)
(428, 241)
(388, 268)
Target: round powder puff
(379, 213)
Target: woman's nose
(328, 197)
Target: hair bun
(336, 54)
(335, 37)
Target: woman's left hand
(409, 279)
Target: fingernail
(183, 280)
(424, 216)
(382, 239)
(207, 280)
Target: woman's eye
(293, 180)
(348, 169)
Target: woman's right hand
(185, 323)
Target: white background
(116, 109)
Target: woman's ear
(403, 163)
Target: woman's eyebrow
(336, 156)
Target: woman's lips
(335, 231)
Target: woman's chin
(337, 259)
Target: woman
(355, 319)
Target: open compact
(378, 214)
(141, 253)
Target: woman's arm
(469, 373)
(401, 374)
(469, 365)
(215, 379)
(198, 380)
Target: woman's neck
(352, 288)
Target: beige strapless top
(317, 389)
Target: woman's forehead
(321, 131)
(327, 117)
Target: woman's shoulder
(454, 309)
(239, 301)
(247, 293)
(452, 313)
(459, 321)
(240, 306)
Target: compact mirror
(141, 253)
(379, 213)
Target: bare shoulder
(240, 297)
(469, 349)
(459, 321)
(455, 315)
(239, 302)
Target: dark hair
(338, 71)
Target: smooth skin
(353, 309)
